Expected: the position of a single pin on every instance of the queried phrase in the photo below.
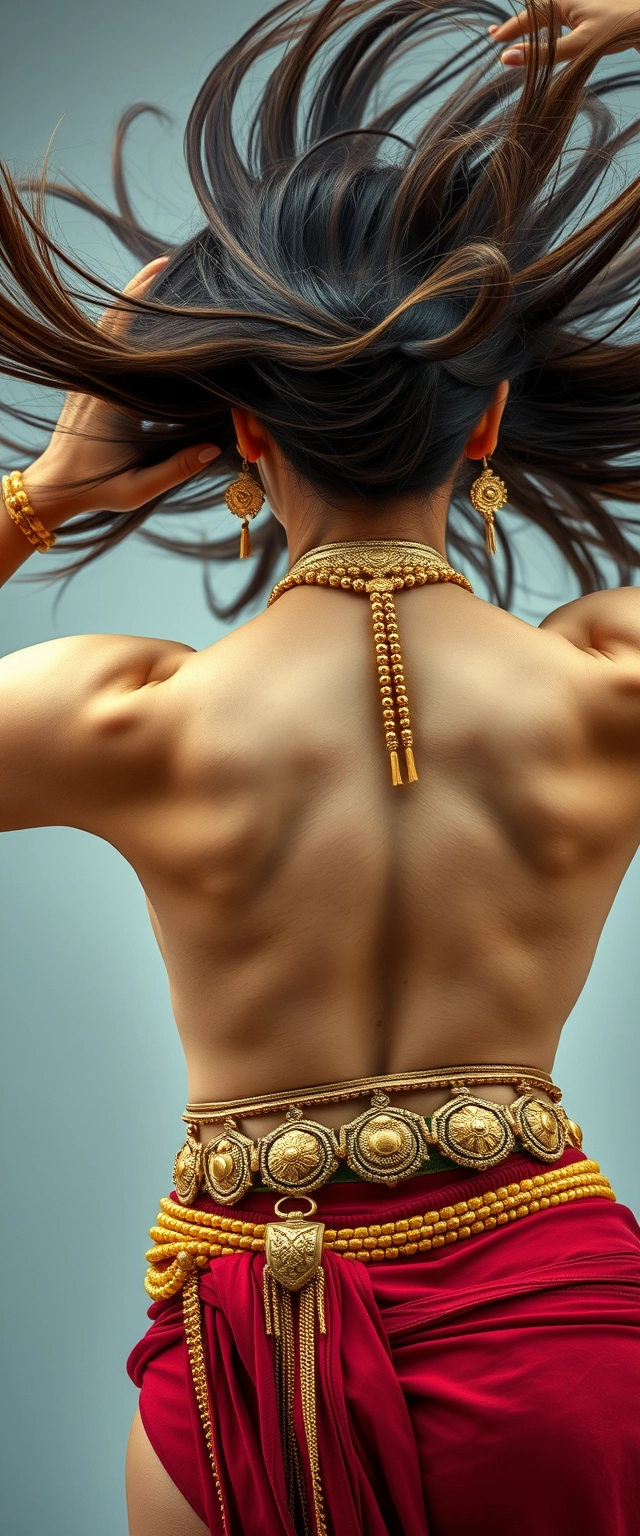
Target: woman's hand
(589, 20)
(84, 447)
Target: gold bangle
(22, 514)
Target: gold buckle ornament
(226, 1162)
(539, 1127)
(187, 1170)
(472, 1131)
(300, 1155)
(385, 1144)
(293, 1246)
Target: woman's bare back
(316, 923)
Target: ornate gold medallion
(300, 1155)
(473, 1132)
(244, 497)
(227, 1165)
(488, 493)
(293, 1248)
(538, 1126)
(187, 1170)
(385, 1143)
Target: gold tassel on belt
(294, 1254)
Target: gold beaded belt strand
(378, 568)
(185, 1241)
(383, 1145)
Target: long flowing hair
(400, 225)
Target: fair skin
(590, 23)
(315, 923)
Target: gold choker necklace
(378, 568)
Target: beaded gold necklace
(378, 567)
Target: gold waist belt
(189, 1239)
(185, 1241)
(385, 1144)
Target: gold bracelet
(22, 514)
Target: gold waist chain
(385, 1144)
(378, 568)
(186, 1240)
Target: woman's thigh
(155, 1506)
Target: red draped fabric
(486, 1388)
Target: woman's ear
(483, 439)
(253, 439)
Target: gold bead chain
(22, 514)
(379, 567)
(195, 1348)
(184, 1236)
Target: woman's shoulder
(605, 623)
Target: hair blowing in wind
(374, 256)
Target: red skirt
(485, 1388)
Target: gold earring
(244, 498)
(488, 494)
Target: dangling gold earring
(488, 494)
(244, 498)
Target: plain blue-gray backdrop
(93, 1083)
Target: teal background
(93, 1082)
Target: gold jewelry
(488, 494)
(195, 1348)
(479, 1074)
(293, 1251)
(186, 1241)
(244, 498)
(383, 1145)
(378, 568)
(183, 1237)
(301, 1156)
(22, 514)
(187, 1170)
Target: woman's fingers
(566, 48)
(142, 485)
(516, 26)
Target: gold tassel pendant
(396, 776)
(293, 1248)
(244, 498)
(488, 494)
(378, 568)
(490, 535)
(393, 692)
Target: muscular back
(316, 923)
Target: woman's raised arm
(79, 470)
(57, 700)
(612, 25)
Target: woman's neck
(309, 520)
